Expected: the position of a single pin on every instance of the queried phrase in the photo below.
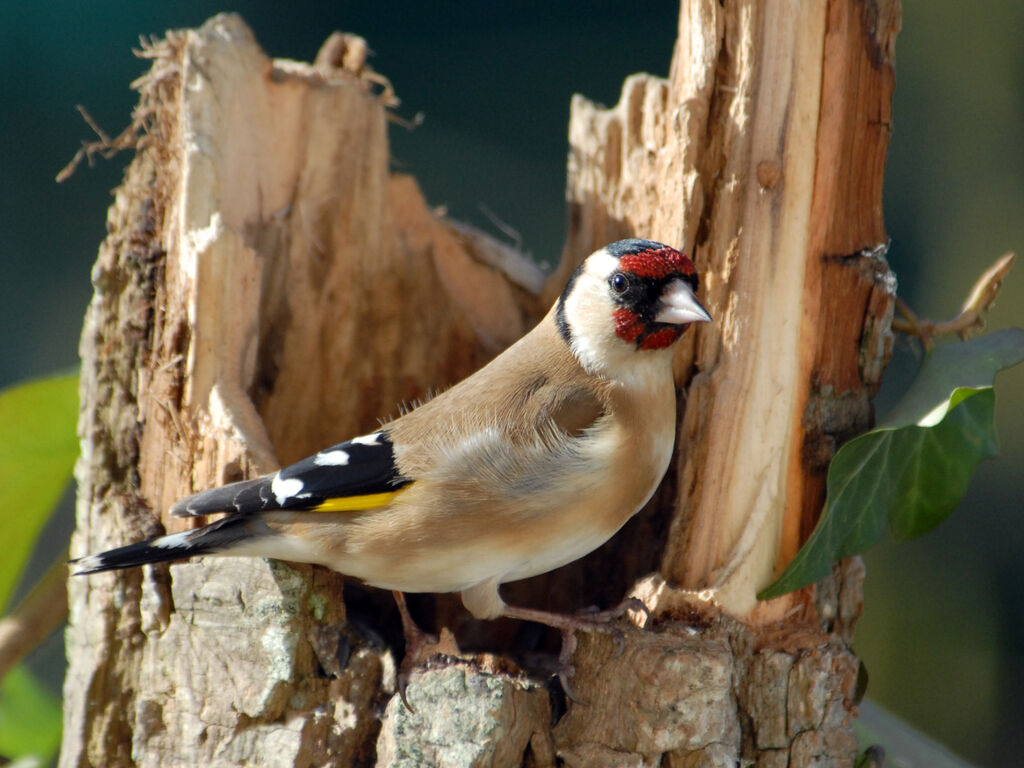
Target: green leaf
(38, 447)
(30, 717)
(908, 479)
(909, 475)
(939, 462)
(970, 364)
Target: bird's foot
(588, 620)
(419, 646)
(604, 618)
(417, 651)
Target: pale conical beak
(679, 306)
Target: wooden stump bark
(267, 288)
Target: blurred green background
(943, 631)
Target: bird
(526, 465)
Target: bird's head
(631, 299)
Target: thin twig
(971, 315)
(504, 227)
(409, 124)
(104, 138)
(910, 323)
(106, 147)
(37, 615)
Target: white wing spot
(174, 541)
(371, 439)
(284, 488)
(88, 563)
(336, 458)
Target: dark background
(943, 632)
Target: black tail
(208, 540)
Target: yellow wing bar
(356, 503)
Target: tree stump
(267, 288)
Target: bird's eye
(619, 282)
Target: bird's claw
(568, 625)
(592, 613)
(566, 669)
(635, 604)
(402, 683)
(419, 646)
(564, 676)
(592, 620)
(620, 641)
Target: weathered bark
(267, 289)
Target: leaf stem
(970, 317)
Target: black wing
(357, 474)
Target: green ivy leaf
(908, 475)
(30, 718)
(38, 448)
(971, 364)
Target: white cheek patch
(588, 312)
(587, 352)
(371, 439)
(335, 458)
(285, 489)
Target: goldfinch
(530, 463)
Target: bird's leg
(568, 624)
(419, 646)
(588, 621)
